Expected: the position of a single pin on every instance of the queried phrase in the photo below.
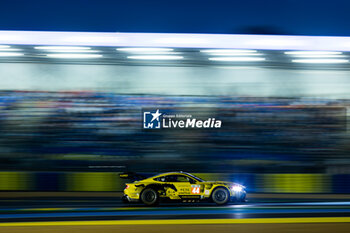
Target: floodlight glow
(143, 50)
(178, 40)
(157, 53)
(228, 51)
(236, 59)
(73, 51)
(323, 61)
(156, 57)
(312, 52)
(319, 56)
(4, 46)
(67, 55)
(62, 48)
(273, 42)
(236, 54)
(4, 54)
(9, 49)
(91, 39)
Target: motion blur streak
(208, 228)
(74, 130)
(16, 181)
(70, 131)
(186, 221)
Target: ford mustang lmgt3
(180, 186)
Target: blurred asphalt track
(104, 212)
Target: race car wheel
(150, 197)
(220, 196)
(125, 199)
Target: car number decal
(195, 189)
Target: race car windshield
(190, 175)
(196, 178)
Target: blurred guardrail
(110, 181)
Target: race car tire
(220, 196)
(150, 197)
(125, 200)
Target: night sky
(297, 17)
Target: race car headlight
(236, 188)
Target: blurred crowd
(89, 130)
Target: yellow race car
(180, 186)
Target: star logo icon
(156, 115)
(151, 119)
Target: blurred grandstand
(80, 130)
